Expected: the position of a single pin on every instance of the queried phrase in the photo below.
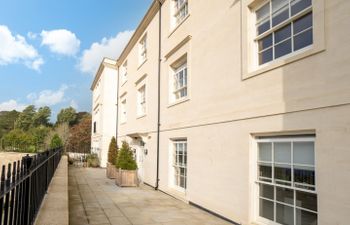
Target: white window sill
(290, 58)
(141, 116)
(178, 25)
(122, 123)
(141, 64)
(178, 101)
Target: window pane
(304, 175)
(266, 209)
(264, 26)
(182, 182)
(266, 191)
(282, 34)
(306, 200)
(265, 152)
(265, 56)
(265, 42)
(302, 23)
(277, 4)
(284, 214)
(282, 172)
(303, 153)
(263, 12)
(303, 39)
(265, 170)
(299, 5)
(285, 195)
(282, 152)
(305, 218)
(280, 16)
(283, 48)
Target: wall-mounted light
(145, 151)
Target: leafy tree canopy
(25, 118)
(56, 142)
(42, 117)
(67, 115)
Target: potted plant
(93, 160)
(111, 171)
(127, 167)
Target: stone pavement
(94, 199)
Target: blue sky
(49, 50)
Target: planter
(111, 171)
(126, 178)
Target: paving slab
(96, 200)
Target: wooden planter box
(111, 171)
(126, 178)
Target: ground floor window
(286, 180)
(180, 163)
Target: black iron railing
(23, 185)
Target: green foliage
(112, 151)
(18, 140)
(67, 115)
(125, 159)
(7, 121)
(25, 118)
(39, 134)
(93, 160)
(42, 117)
(56, 142)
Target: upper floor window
(123, 111)
(124, 72)
(179, 82)
(283, 27)
(286, 181)
(180, 10)
(95, 128)
(143, 49)
(141, 101)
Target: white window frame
(177, 10)
(123, 112)
(141, 100)
(256, 182)
(176, 86)
(124, 72)
(174, 179)
(143, 49)
(272, 30)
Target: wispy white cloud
(61, 41)
(107, 47)
(32, 35)
(15, 49)
(11, 105)
(48, 97)
(74, 104)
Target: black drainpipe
(159, 67)
(116, 128)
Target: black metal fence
(23, 185)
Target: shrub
(92, 160)
(56, 142)
(125, 159)
(112, 151)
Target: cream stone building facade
(104, 108)
(242, 107)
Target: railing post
(27, 164)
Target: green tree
(67, 115)
(7, 121)
(25, 118)
(42, 117)
(112, 151)
(125, 159)
(18, 140)
(56, 142)
(39, 135)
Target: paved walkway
(94, 199)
